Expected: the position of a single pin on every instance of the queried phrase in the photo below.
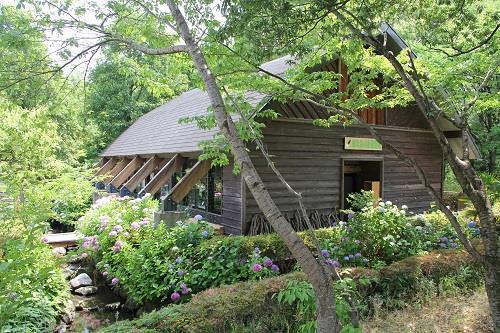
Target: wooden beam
(106, 167)
(145, 170)
(127, 171)
(116, 170)
(182, 188)
(163, 175)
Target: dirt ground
(452, 314)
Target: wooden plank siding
(310, 158)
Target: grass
(457, 313)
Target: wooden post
(140, 175)
(123, 175)
(163, 175)
(182, 188)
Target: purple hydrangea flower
(145, 221)
(350, 215)
(178, 260)
(184, 289)
(444, 239)
(175, 296)
(117, 228)
(357, 255)
(115, 281)
(325, 253)
(105, 273)
(256, 268)
(113, 233)
(275, 268)
(180, 272)
(86, 244)
(453, 245)
(117, 247)
(268, 262)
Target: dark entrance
(361, 175)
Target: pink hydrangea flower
(257, 268)
(84, 255)
(45, 239)
(135, 225)
(115, 281)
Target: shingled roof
(159, 131)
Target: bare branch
(148, 50)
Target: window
(207, 193)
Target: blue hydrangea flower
(205, 233)
(471, 224)
(346, 258)
(178, 260)
(325, 253)
(198, 217)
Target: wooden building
(158, 155)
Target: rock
(59, 251)
(81, 280)
(85, 291)
(68, 312)
(131, 305)
(112, 306)
(62, 328)
(74, 259)
(71, 270)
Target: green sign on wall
(352, 143)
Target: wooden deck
(62, 239)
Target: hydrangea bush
(156, 263)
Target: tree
(462, 38)
(162, 36)
(123, 88)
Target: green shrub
(285, 303)
(33, 290)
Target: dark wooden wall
(310, 159)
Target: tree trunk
(492, 161)
(317, 274)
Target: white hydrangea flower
(405, 207)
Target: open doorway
(360, 175)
